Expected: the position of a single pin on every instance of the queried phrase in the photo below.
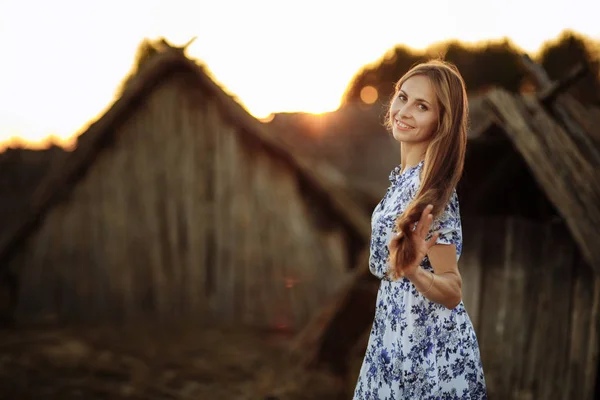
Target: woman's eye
(422, 107)
(402, 97)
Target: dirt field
(146, 363)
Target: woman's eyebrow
(422, 100)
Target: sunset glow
(63, 60)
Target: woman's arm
(445, 286)
(438, 243)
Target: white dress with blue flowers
(418, 349)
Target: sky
(62, 60)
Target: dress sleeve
(448, 224)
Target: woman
(422, 344)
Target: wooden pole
(548, 95)
(549, 91)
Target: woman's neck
(411, 154)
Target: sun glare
(61, 69)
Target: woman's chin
(399, 136)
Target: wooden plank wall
(184, 214)
(534, 304)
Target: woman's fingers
(432, 240)
(425, 222)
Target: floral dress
(417, 349)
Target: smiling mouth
(402, 125)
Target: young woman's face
(414, 111)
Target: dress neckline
(395, 175)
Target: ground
(151, 363)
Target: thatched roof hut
(178, 203)
(530, 200)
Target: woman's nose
(404, 111)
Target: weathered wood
(576, 367)
(587, 116)
(250, 258)
(536, 72)
(225, 245)
(525, 326)
(560, 180)
(558, 259)
(494, 308)
(471, 268)
(518, 262)
(209, 221)
(591, 366)
(545, 85)
(549, 93)
(192, 206)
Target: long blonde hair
(445, 155)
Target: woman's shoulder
(452, 208)
(453, 201)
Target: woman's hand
(421, 245)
